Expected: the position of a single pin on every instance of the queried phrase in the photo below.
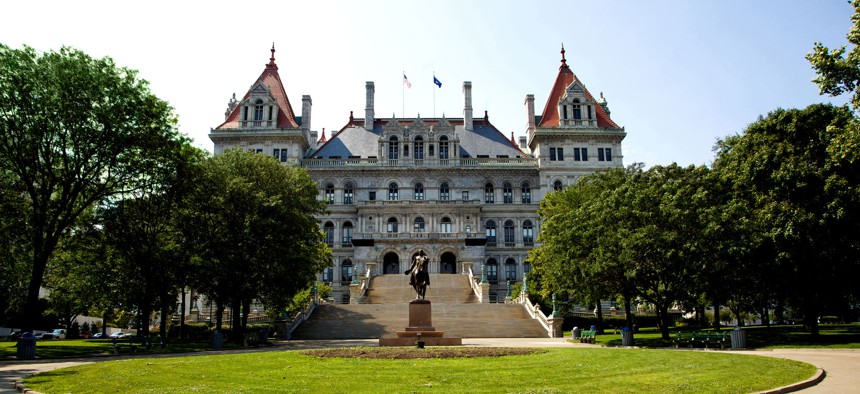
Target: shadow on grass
(757, 337)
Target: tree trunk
(599, 318)
(32, 310)
(165, 310)
(236, 333)
(219, 317)
(663, 315)
(182, 314)
(627, 312)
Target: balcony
(507, 162)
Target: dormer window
(393, 149)
(258, 111)
(577, 110)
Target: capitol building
(456, 188)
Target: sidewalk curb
(817, 378)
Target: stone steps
(443, 289)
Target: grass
(63, 348)
(593, 370)
(837, 336)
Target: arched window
(443, 147)
(418, 152)
(329, 193)
(507, 193)
(491, 233)
(489, 193)
(347, 234)
(346, 271)
(509, 233)
(444, 192)
(347, 193)
(419, 191)
(445, 225)
(526, 193)
(492, 271)
(258, 110)
(577, 110)
(419, 225)
(510, 269)
(391, 226)
(328, 229)
(393, 149)
(392, 191)
(556, 186)
(528, 233)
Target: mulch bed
(403, 353)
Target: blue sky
(678, 75)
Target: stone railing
(358, 290)
(551, 324)
(301, 316)
(481, 290)
(409, 163)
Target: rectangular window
(580, 154)
(604, 154)
(465, 195)
(430, 150)
(283, 155)
(552, 154)
(576, 156)
(584, 154)
(560, 153)
(371, 196)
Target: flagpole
(403, 95)
(434, 94)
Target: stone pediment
(419, 127)
(444, 127)
(393, 126)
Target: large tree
(75, 130)
(801, 181)
(256, 233)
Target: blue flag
(437, 81)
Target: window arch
(419, 191)
(507, 193)
(526, 193)
(347, 193)
(445, 225)
(419, 225)
(329, 193)
(489, 193)
(557, 185)
(492, 271)
(328, 229)
(510, 269)
(391, 225)
(528, 233)
(392, 191)
(490, 231)
(393, 148)
(346, 271)
(346, 239)
(418, 149)
(443, 147)
(444, 192)
(509, 233)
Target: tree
(839, 73)
(802, 186)
(255, 231)
(75, 131)
(13, 242)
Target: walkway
(841, 365)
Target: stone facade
(456, 188)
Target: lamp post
(554, 311)
(525, 284)
(483, 276)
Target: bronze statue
(420, 279)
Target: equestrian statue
(420, 279)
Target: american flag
(406, 81)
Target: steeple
(272, 64)
(563, 60)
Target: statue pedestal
(420, 329)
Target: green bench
(704, 338)
(587, 336)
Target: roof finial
(272, 59)
(563, 60)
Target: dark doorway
(448, 263)
(391, 264)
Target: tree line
(104, 204)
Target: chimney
(467, 111)
(530, 113)
(368, 108)
(306, 115)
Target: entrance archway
(448, 263)
(391, 263)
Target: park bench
(705, 338)
(587, 336)
(135, 342)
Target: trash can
(264, 335)
(26, 346)
(739, 338)
(217, 340)
(626, 337)
(575, 333)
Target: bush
(199, 331)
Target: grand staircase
(455, 311)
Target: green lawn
(51, 348)
(592, 370)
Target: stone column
(368, 108)
(354, 293)
(467, 109)
(555, 322)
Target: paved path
(841, 365)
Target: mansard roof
(272, 80)
(353, 140)
(565, 78)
